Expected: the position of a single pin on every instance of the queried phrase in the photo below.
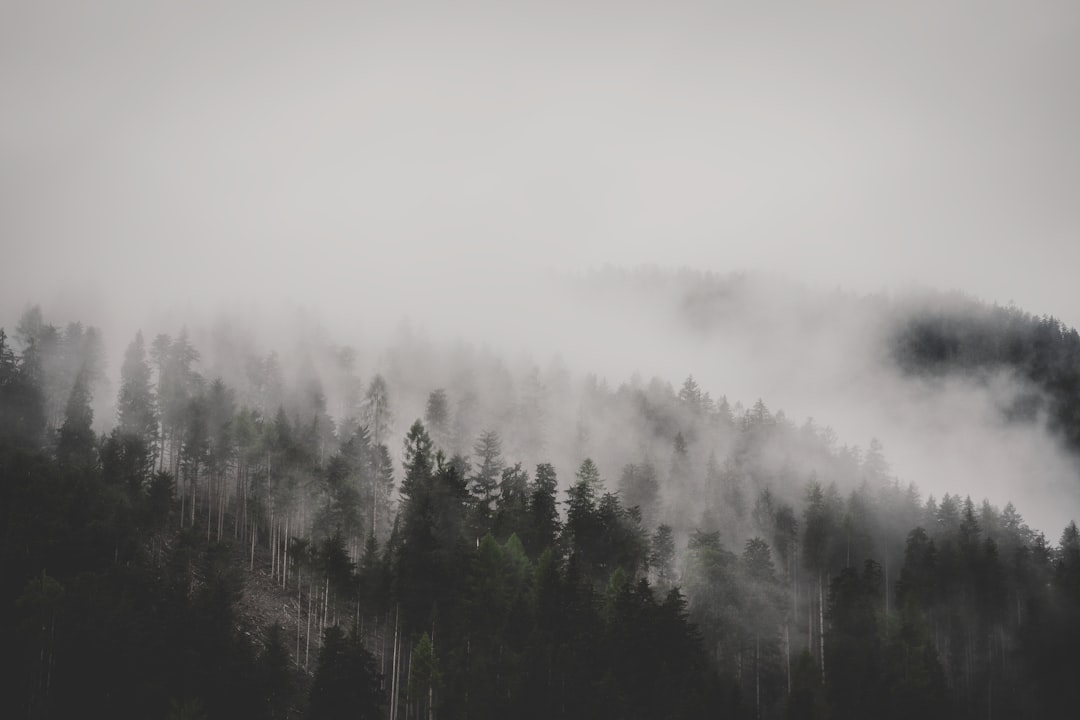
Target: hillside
(541, 545)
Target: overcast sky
(338, 152)
(374, 160)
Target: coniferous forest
(271, 539)
(541, 360)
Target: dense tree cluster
(964, 337)
(233, 551)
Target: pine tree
(135, 405)
(639, 488)
(662, 557)
(543, 514)
(346, 683)
(376, 410)
(485, 481)
(77, 443)
(22, 409)
(437, 417)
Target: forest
(263, 535)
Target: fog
(381, 172)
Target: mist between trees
(459, 535)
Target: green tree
(376, 410)
(511, 507)
(543, 523)
(662, 557)
(346, 683)
(135, 403)
(425, 678)
(22, 410)
(276, 683)
(853, 648)
(77, 444)
(762, 614)
(485, 481)
(639, 488)
(582, 529)
(437, 417)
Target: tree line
(809, 582)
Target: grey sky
(373, 160)
(339, 152)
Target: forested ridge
(238, 543)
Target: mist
(373, 169)
(363, 173)
(811, 355)
(686, 359)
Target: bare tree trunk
(194, 491)
(757, 678)
(209, 505)
(821, 626)
(222, 495)
(299, 585)
(408, 683)
(307, 644)
(887, 593)
(394, 668)
(239, 496)
(285, 556)
(787, 653)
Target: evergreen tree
(424, 677)
(582, 528)
(376, 410)
(543, 523)
(437, 417)
(275, 680)
(77, 443)
(512, 503)
(638, 487)
(662, 557)
(347, 683)
(853, 650)
(485, 481)
(137, 426)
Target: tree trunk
(209, 505)
(270, 544)
(285, 556)
(757, 678)
(887, 583)
(821, 626)
(787, 653)
(408, 684)
(299, 585)
(222, 495)
(194, 491)
(239, 495)
(394, 667)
